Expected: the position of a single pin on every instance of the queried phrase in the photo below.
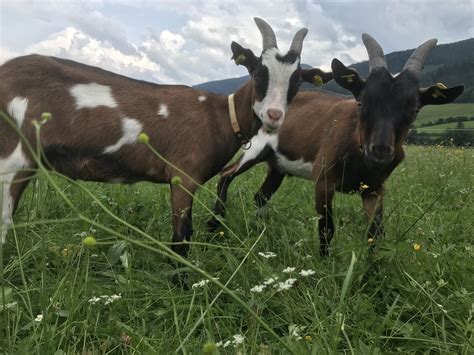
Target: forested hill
(451, 64)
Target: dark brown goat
(98, 115)
(343, 145)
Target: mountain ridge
(449, 63)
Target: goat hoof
(213, 225)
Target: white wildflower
(307, 257)
(270, 280)
(226, 344)
(442, 308)
(289, 269)
(110, 299)
(94, 300)
(105, 298)
(307, 272)
(285, 285)
(238, 339)
(295, 330)
(267, 255)
(441, 283)
(258, 288)
(39, 317)
(201, 283)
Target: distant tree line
(450, 137)
(447, 120)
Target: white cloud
(195, 46)
(76, 45)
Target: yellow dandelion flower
(416, 247)
(221, 233)
(363, 186)
(65, 252)
(308, 338)
(370, 241)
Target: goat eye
(359, 104)
(417, 109)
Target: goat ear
(315, 76)
(243, 56)
(439, 94)
(347, 78)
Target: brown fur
(324, 129)
(197, 136)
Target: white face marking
(17, 109)
(202, 98)
(163, 111)
(258, 143)
(279, 75)
(9, 166)
(92, 95)
(131, 128)
(298, 168)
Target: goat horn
(376, 56)
(268, 36)
(417, 59)
(297, 43)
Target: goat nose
(274, 114)
(381, 151)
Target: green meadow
(256, 287)
(433, 112)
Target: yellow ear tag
(349, 78)
(317, 80)
(240, 59)
(438, 93)
(441, 86)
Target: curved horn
(417, 59)
(297, 43)
(268, 36)
(376, 56)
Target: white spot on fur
(279, 75)
(202, 98)
(131, 128)
(298, 167)
(92, 95)
(163, 111)
(258, 143)
(17, 109)
(9, 166)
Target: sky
(188, 42)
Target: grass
(433, 112)
(394, 300)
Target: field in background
(433, 112)
(398, 299)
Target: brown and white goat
(98, 115)
(343, 145)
